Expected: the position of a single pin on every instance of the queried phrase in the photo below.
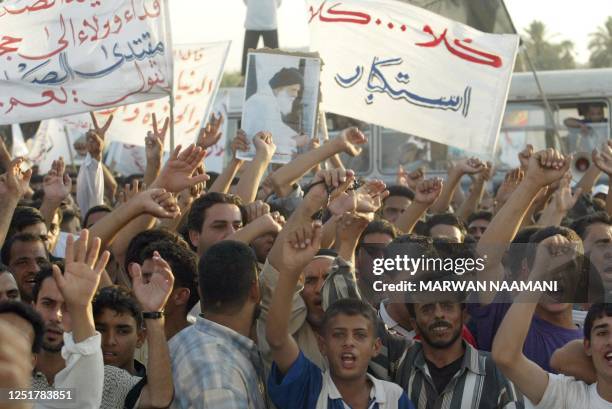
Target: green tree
(231, 79)
(601, 46)
(545, 54)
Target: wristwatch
(152, 315)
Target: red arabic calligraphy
(487, 59)
(49, 94)
(338, 16)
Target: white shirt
(261, 14)
(83, 374)
(565, 392)
(90, 185)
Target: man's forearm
(250, 178)
(587, 181)
(609, 197)
(159, 373)
(108, 228)
(471, 203)
(407, 220)
(287, 175)
(110, 184)
(224, 180)
(151, 171)
(48, 209)
(82, 322)
(448, 190)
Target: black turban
(285, 77)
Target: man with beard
(267, 111)
(443, 369)
(25, 254)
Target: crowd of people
(255, 287)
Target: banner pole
(172, 122)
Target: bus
(573, 95)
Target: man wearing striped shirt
(444, 371)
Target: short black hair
(480, 215)
(23, 217)
(69, 215)
(597, 311)
(143, 239)
(400, 190)
(29, 314)
(227, 270)
(95, 209)
(196, 217)
(351, 307)
(581, 225)
(46, 271)
(22, 238)
(381, 226)
(182, 261)
(118, 299)
(450, 219)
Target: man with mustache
(443, 367)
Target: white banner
(64, 57)
(198, 70)
(405, 68)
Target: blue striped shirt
(215, 367)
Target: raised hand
(157, 203)
(487, 173)
(264, 144)
(351, 225)
(240, 142)
(298, 246)
(524, 156)
(511, 181)
(370, 196)
(468, 166)
(57, 184)
(603, 158)
(83, 269)
(427, 191)
(270, 222)
(177, 173)
(95, 138)
(325, 181)
(154, 292)
(256, 209)
(350, 141)
(15, 183)
(563, 198)
(211, 133)
(154, 141)
(546, 167)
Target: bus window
(523, 123)
(361, 164)
(398, 148)
(583, 126)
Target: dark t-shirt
(442, 376)
(542, 339)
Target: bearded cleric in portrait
(273, 112)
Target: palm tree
(545, 54)
(601, 46)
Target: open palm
(153, 294)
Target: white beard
(285, 102)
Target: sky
(195, 21)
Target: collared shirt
(95, 385)
(340, 283)
(479, 384)
(90, 184)
(305, 386)
(215, 367)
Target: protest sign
(405, 68)
(198, 69)
(61, 58)
(281, 97)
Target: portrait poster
(281, 97)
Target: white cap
(600, 189)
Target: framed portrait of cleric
(281, 97)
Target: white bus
(571, 94)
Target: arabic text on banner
(405, 68)
(198, 69)
(66, 57)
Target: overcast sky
(214, 20)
